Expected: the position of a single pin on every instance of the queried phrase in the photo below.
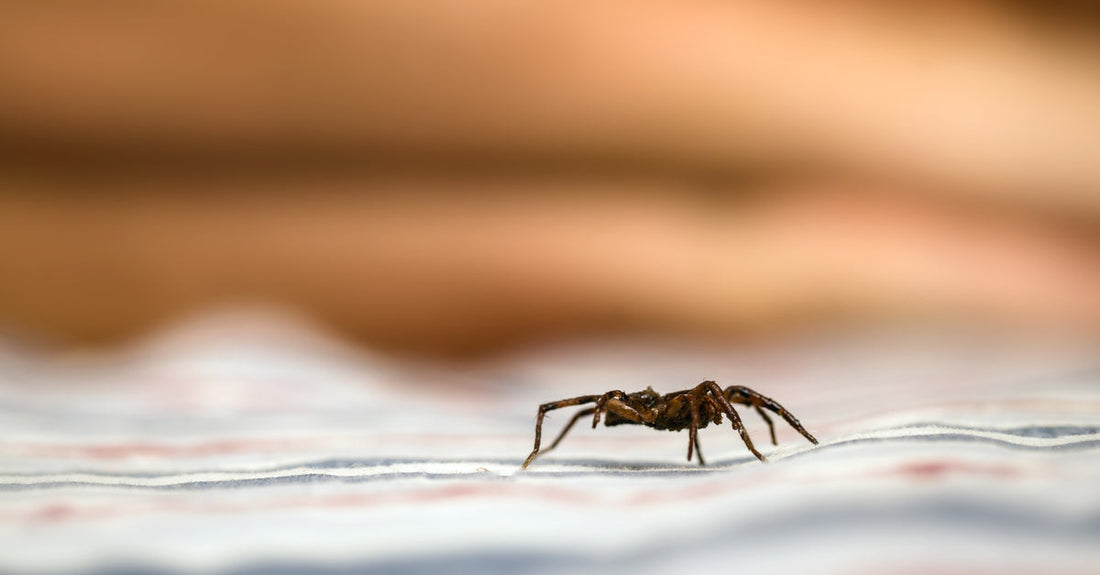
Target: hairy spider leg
(693, 432)
(602, 404)
(768, 420)
(735, 420)
(581, 400)
(746, 396)
(622, 409)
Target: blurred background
(458, 178)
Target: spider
(693, 409)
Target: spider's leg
(742, 394)
(768, 420)
(693, 433)
(542, 413)
(735, 420)
(691, 443)
(601, 404)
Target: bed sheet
(252, 444)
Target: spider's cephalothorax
(691, 409)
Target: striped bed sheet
(245, 444)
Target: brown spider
(692, 408)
